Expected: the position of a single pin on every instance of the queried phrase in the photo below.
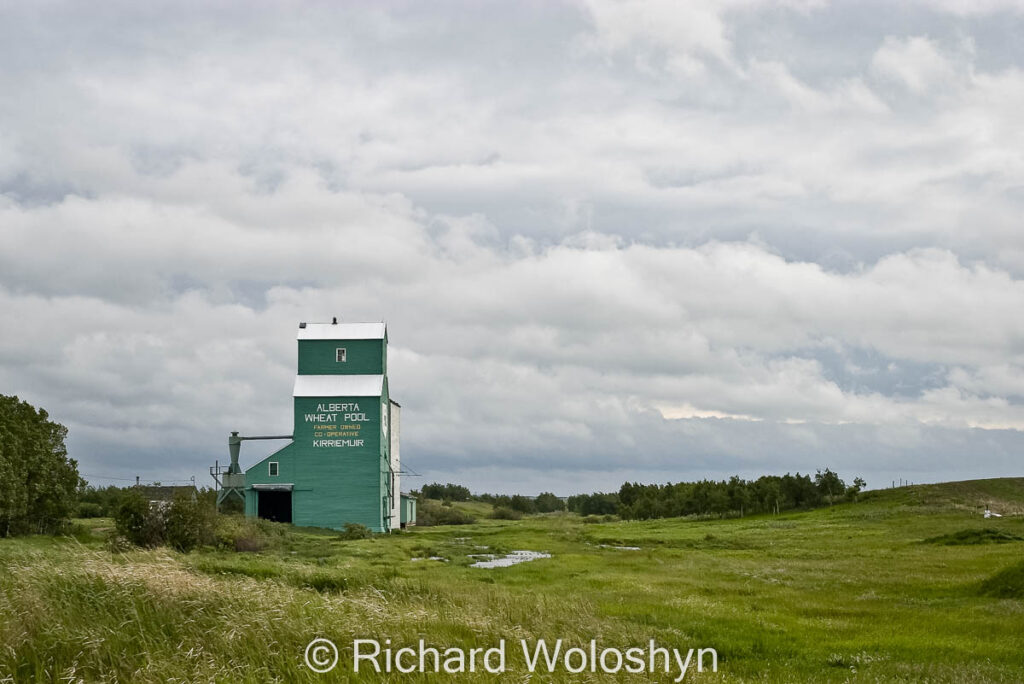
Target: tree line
(545, 502)
(634, 501)
(735, 496)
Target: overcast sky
(646, 241)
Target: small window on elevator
(274, 467)
(339, 355)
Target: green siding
(340, 473)
(408, 510)
(362, 357)
(333, 485)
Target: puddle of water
(437, 558)
(620, 548)
(511, 558)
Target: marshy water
(511, 558)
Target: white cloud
(849, 96)
(680, 249)
(916, 62)
(969, 8)
(679, 35)
(684, 31)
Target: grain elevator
(342, 465)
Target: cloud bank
(611, 240)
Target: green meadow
(904, 585)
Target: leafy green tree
(798, 491)
(106, 498)
(446, 492)
(853, 490)
(829, 484)
(768, 493)
(522, 504)
(594, 504)
(629, 492)
(546, 502)
(740, 494)
(38, 482)
(646, 507)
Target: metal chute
(231, 481)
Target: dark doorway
(276, 506)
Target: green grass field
(905, 585)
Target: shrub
(239, 534)
(139, 522)
(87, 509)
(594, 519)
(232, 506)
(183, 524)
(505, 513)
(189, 523)
(429, 513)
(522, 504)
(235, 533)
(356, 531)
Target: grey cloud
(630, 240)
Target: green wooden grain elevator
(342, 464)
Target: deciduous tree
(38, 482)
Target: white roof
(338, 386)
(342, 331)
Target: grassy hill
(1004, 495)
(909, 584)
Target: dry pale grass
(840, 595)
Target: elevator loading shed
(342, 465)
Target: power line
(406, 470)
(133, 479)
(108, 477)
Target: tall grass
(844, 594)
